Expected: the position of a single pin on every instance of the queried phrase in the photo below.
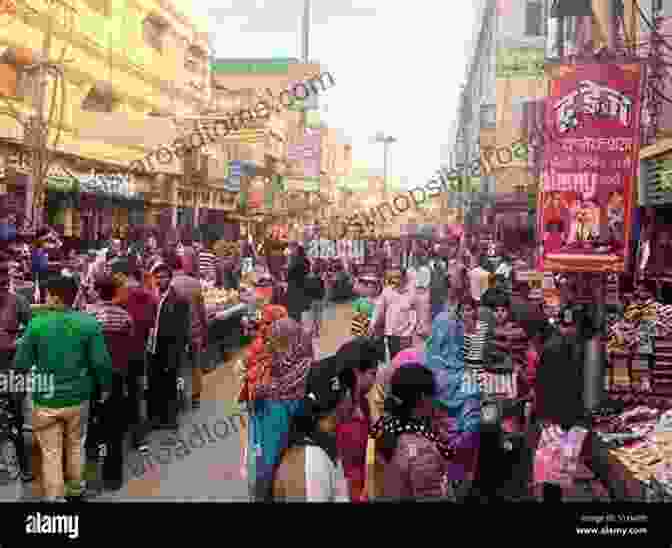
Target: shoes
(75, 498)
(112, 485)
(27, 477)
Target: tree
(48, 78)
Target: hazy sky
(397, 66)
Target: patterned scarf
(285, 374)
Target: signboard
(590, 163)
(520, 62)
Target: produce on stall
(217, 298)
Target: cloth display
(557, 457)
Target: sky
(397, 70)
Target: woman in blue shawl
(458, 403)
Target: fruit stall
(224, 311)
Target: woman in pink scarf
(414, 354)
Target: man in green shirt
(66, 353)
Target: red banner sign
(590, 167)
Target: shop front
(90, 214)
(653, 223)
(509, 217)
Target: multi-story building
(336, 159)
(276, 153)
(503, 93)
(121, 60)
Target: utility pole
(36, 130)
(387, 140)
(305, 53)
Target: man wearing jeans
(68, 351)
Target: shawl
(445, 360)
(288, 370)
(257, 362)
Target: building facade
(502, 96)
(121, 60)
(292, 160)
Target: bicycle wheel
(10, 468)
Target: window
(534, 19)
(194, 59)
(102, 7)
(153, 32)
(26, 84)
(99, 99)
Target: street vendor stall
(223, 311)
(638, 443)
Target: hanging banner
(590, 165)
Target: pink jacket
(398, 312)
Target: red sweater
(141, 306)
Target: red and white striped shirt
(112, 318)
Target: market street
(212, 472)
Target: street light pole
(387, 140)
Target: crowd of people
(442, 331)
(119, 334)
(398, 412)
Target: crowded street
(225, 278)
(212, 474)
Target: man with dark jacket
(117, 327)
(141, 305)
(166, 348)
(296, 281)
(15, 315)
(189, 289)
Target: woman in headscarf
(457, 413)
(375, 469)
(358, 359)
(414, 354)
(416, 458)
(278, 396)
(310, 469)
(248, 369)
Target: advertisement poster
(590, 167)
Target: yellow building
(121, 59)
